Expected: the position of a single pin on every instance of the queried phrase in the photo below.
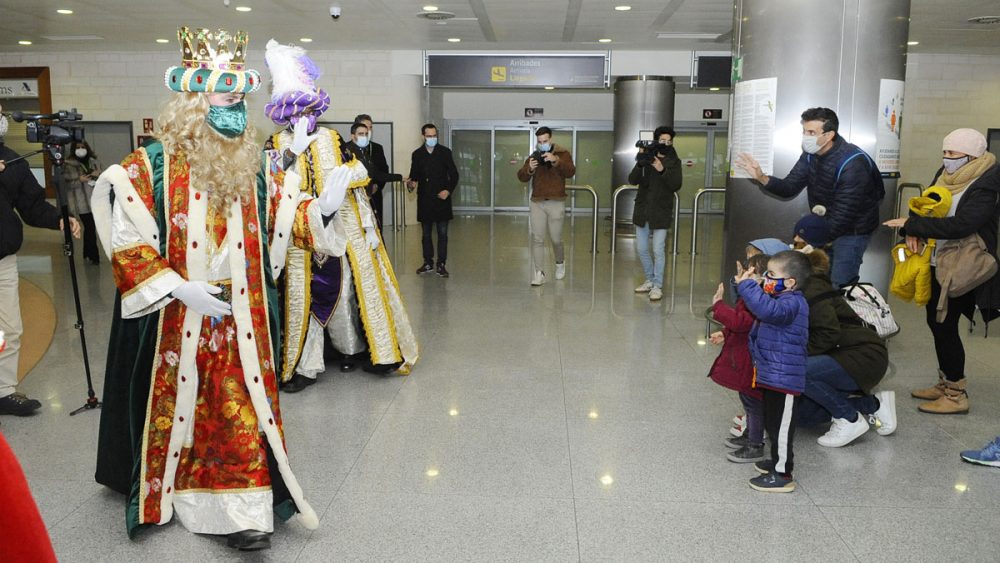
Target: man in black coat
(373, 157)
(21, 198)
(434, 175)
(837, 175)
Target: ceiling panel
(939, 26)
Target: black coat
(851, 201)
(433, 172)
(654, 201)
(373, 159)
(977, 212)
(21, 194)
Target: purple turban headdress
(293, 85)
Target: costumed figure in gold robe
(191, 424)
(351, 294)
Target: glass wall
(594, 150)
(473, 154)
(511, 148)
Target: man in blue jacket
(837, 175)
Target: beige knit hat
(965, 141)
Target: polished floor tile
(568, 422)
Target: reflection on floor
(571, 422)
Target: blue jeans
(653, 267)
(829, 385)
(754, 409)
(845, 258)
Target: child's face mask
(773, 285)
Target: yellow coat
(911, 279)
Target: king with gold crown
(191, 425)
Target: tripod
(56, 152)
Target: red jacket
(22, 532)
(733, 368)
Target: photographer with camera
(547, 169)
(657, 173)
(21, 198)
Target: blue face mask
(362, 142)
(229, 121)
(545, 147)
(431, 142)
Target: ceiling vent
(985, 20)
(436, 16)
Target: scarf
(957, 182)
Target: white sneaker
(843, 432)
(739, 426)
(645, 287)
(885, 416)
(538, 278)
(655, 294)
(560, 270)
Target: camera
(58, 133)
(335, 12)
(539, 157)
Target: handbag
(869, 304)
(962, 266)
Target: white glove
(371, 237)
(302, 138)
(334, 189)
(197, 295)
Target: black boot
(249, 540)
(297, 383)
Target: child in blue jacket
(778, 342)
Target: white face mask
(80, 153)
(3, 126)
(951, 165)
(809, 144)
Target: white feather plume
(287, 72)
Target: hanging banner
(752, 124)
(889, 120)
(584, 70)
(18, 88)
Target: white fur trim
(252, 376)
(284, 220)
(819, 210)
(116, 179)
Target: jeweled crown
(201, 48)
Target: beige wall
(945, 92)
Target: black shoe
(380, 369)
(773, 483)
(18, 404)
(441, 271)
(747, 454)
(347, 365)
(297, 383)
(427, 267)
(737, 443)
(764, 467)
(249, 540)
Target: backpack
(868, 304)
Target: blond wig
(221, 166)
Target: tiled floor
(571, 422)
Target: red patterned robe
(206, 439)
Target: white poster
(18, 88)
(890, 116)
(753, 123)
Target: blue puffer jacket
(779, 338)
(844, 180)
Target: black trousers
(442, 232)
(947, 342)
(779, 421)
(90, 250)
(376, 202)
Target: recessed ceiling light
(64, 12)
(604, 40)
(913, 43)
(713, 89)
(550, 87)
(243, 8)
(454, 40)
(24, 42)
(623, 8)
(163, 40)
(306, 39)
(430, 8)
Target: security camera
(335, 12)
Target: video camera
(59, 132)
(539, 157)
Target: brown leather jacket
(549, 182)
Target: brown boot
(931, 393)
(954, 400)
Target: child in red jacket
(733, 369)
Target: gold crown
(197, 50)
